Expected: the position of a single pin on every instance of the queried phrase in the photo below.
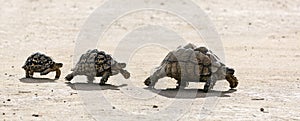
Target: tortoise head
(125, 74)
(119, 67)
(58, 65)
(227, 73)
(122, 65)
(147, 82)
(232, 80)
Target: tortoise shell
(38, 62)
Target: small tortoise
(38, 62)
(96, 63)
(192, 64)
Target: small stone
(258, 99)
(113, 107)
(14, 113)
(262, 109)
(51, 90)
(8, 100)
(24, 91)
(249, 23)
(3, 101)
(5, 74)
(73, 93)
(65, 101)
(35, 115)
(12, 66)
(3, 113)
(155, 106)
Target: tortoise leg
(209, 84)
(150, 81)
(90, 79)
(104, 78)
(70, 76)
(58, 73)
(153, 79)
(31, 74)
(27, 74)
(181, 84)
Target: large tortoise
(38, 62)
(96, 63)
(193, 64)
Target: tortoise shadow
(37, 80)
(191, 93)
(93, 86)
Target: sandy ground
(260, 39)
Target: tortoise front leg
(150, 81)
(58, 73)
(90, 79)
(70, 76)
(153, 79)
(104, 78)
(209, 84)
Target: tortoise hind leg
(90, 79)
(181, 84)
(29, 74)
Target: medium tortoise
(96, 63)
(192, 64)
(38, 62)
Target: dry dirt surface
(261, 40)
